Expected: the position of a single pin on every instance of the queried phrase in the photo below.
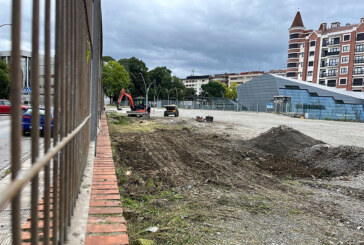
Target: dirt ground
(201, 184)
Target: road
(5, 130)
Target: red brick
(105, 197)
(105, 187)
(115, 219)
(108, 240)
(114, 210)
(105, 228)
(105, 203)
(103, 192)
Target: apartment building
(243, 77)
(195, 82)
(26, 58)
(280, 72)
(331, 56)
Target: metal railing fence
(63, 161)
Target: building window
(291, 56)
(333, 62)
(334, 50)
(331, 83)
(358, 82)
(313, 43)
(344, 70)
(291, 74)
(309, 73)
(360, 37)
(302, 45)
(302, 54)
(293, 45)
(295, 35)
(346, 37)
(358, 71)
(345, 59)
(301, 64)
(342, 81)
(359, 48)
(310, 63)
(312, 53)
(322, 82)
(300, 74)
(359, 59)
(332, 73)
(346, 48)
(291, 65)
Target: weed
(8, 171)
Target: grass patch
(8, 171)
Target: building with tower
(331, 56)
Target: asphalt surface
(5, 131)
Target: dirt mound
(283, 141)
(342, 160)
(298, 155)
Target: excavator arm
(122, 93)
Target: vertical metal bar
(47, 120)
(95, 67)
(67, 108)
(15, 86)
(62, 120)
(57, 96)
(35, 119)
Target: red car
(5, 107)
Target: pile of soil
(338, 161)
(283, 141)
(299, 155)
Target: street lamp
(167, 94)
(5, 25)
(146, 89)
(176, 95)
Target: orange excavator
(137, 105)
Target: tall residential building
(331, 56)
(195, 82)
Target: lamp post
(176, 95)
(146, 89)
(5, 25)
(167, 94)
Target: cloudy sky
(207, 36)
(213, 36)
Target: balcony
(330, 53)
(322, 75)
(333, 42)
(332, 74)
(323, 64)
(358, 61)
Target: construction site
(246, 178)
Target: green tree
(115, 78)
(107, 58)
(231, 92)
(190, 92)
(135, 67)
(213, 89)
(4, 80)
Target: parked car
(5, 107)
(27, 124)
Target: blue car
(27, 124)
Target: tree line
(129, 74)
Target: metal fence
(67, 120)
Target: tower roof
(297, 22)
